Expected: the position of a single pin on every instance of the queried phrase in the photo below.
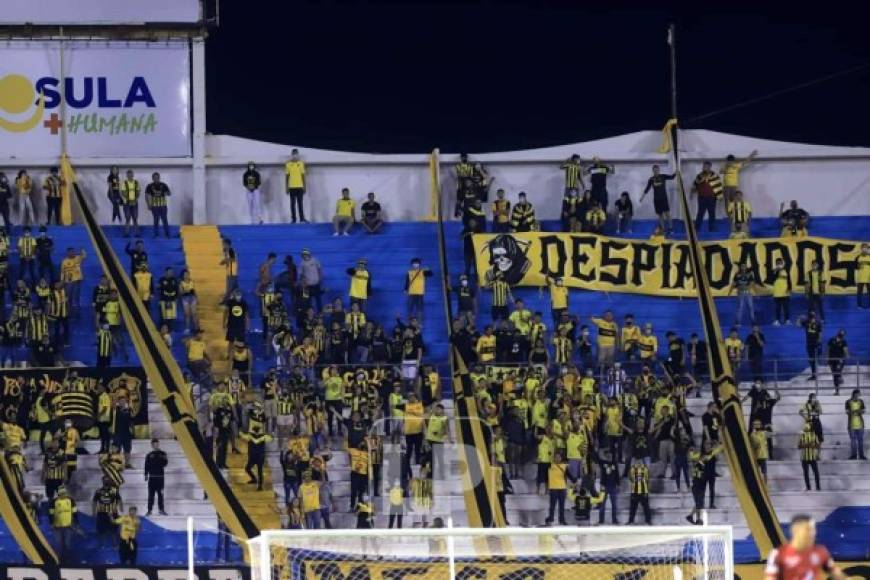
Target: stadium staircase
(841, 508)
(203, 252)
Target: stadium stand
(296, 420)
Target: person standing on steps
(5, 201)
(598, 173)
(257, 440)
(294, 171)
(237, 320)
(155, 464)
(113, 192)
(53, 194)
(44, 251)
(128, 527)
(816, 286)
(731, 174)
(26, 209)
(639, 479)
(838, 352)
(311, 277)
(708, 187)
(658, 184)
(557, 486)
(809, 446)
(157, 197)
(415, 287)
(230, 262)
(251, 181)
(573, 175)
(855, 417)
(813, 333)
(130, 192)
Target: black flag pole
(749, 485)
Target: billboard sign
(121, 99)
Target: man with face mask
(466, 297)
(251, 181)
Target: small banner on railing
(73, 393)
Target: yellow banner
(593, 262)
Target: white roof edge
(639, 146)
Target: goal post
(649, 552)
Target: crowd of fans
(590, 403)
(338, 381)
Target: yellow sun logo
(17, 94)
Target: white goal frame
(262, 542)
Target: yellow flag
(68, 178)
(434, 187)
(667, 144)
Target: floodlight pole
(672, 45)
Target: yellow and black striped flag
(746, 478)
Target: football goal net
(650, 553)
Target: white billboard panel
(122, 99)
(101, 12)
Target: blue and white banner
(122, 99)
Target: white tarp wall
(826, 180)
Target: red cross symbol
(53, 124)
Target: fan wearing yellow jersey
(731, 174)
(345, 214)
(294, 171)
(740, 214)
(558, 297)
(781, 292)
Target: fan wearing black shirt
(466, 297)
(838, 350)
(155, 464)
(698, 359)
(658, 184)
(236, 319)
(676, 361)
(371, 214)
(138, 255)
(793, 220)
(156, 195)
(251, 182)
(44, 250)
(624, 213)
(813, 332)
(5, 198)
(755, 346)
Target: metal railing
(782, 372)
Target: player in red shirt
(801, 558)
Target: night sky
(489, 76)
